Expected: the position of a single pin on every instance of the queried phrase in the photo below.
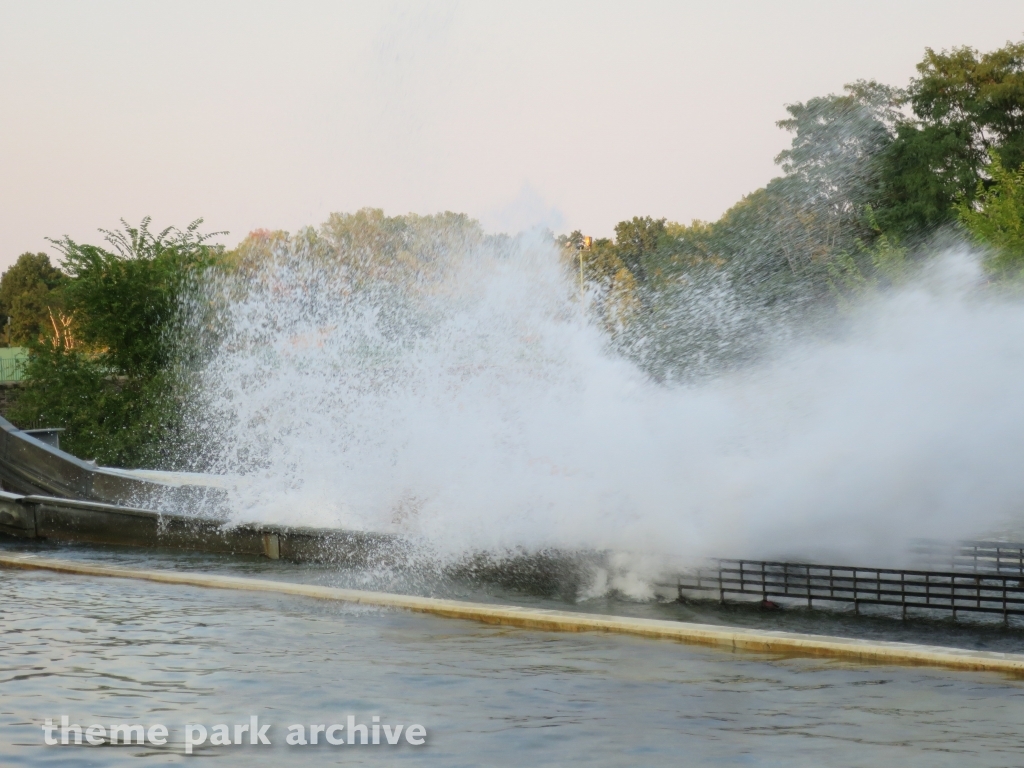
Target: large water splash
(470, 405)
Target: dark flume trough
(50, 494)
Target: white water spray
(480, 411)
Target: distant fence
(972, 556)
(12, 364)
(994, 585)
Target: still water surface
(106, 650)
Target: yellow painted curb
(762, 641)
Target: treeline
(117, 334)
(874, 178)
(102, 362)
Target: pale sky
(574, 114)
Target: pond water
(111, 651)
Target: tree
(366, 247)
(884, 262)
(124, 298)
(965, 106)
(996, 218)
(636, 241)
(836, 144)
(115, 389)
(29, 296)
(610, 284)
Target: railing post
(721, 588)
(952, 590)
(764, 581)
(809, 596)
(903, 594)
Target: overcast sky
(574, 115)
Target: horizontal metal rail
(973, 556)
(949, 590)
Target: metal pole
(856, 603)
(952, 594)
(809, 596)
(582, 291)
(903, 594)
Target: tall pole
(584, 246)
(581, 277)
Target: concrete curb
(761, 641)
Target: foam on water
(476, 408)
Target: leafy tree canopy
(123, 297)
(368, 246)
(965, 105)
(996, 218)
(836, 142)
(28, 296)
(107, 379)
(636, 241)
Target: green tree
(885, 261)
(28, 294)
(637, 241)
(996, 217)
(110, 380)
(367, 247)
(125, 297)
(609, 282)
(965, 105)
(836, 143)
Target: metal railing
(980, 591)
(972, 556)
(12, 369)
